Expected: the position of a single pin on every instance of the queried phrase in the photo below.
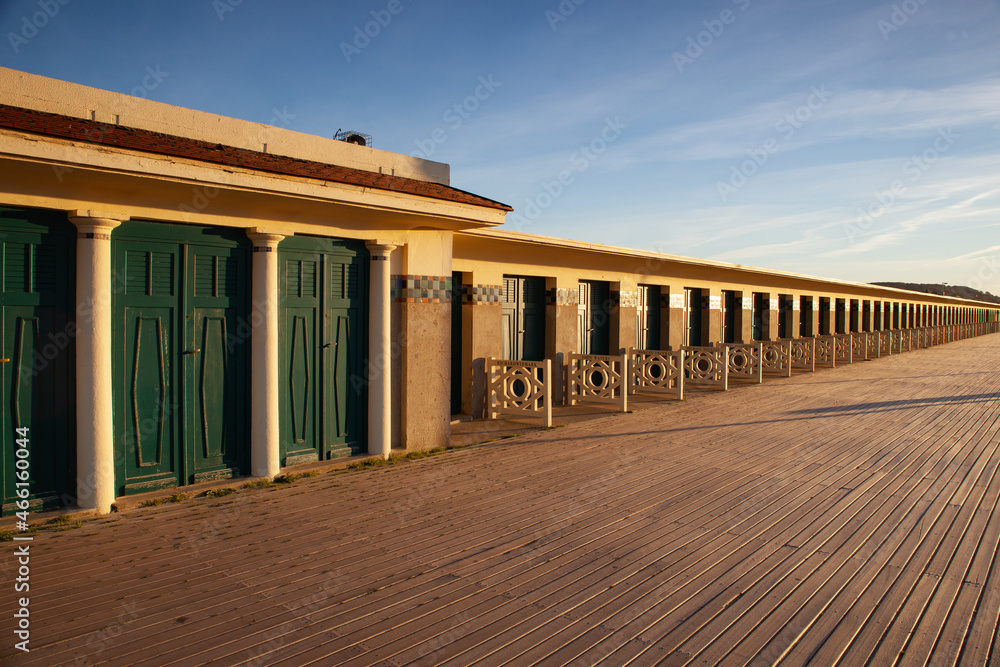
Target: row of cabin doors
(523, 313)
(523, 317)
(181, 335)
(183, 319)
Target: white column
(265, 407)
(95, 444)
(379, 350)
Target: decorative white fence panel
(804, 354)
(517, 387)
(884, 343)
(843, 348)
(706, 366)
(776, 358)
(861, 347)
(874, 345)
(906, 340)
(597, 378)
(826, 351)
(520, 387)
(657, 370)
(896, 341)
(745, 361)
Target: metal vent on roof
(354, 137)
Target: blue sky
(849, 139)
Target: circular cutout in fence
(656, 370)
(519, 390)
(739, 360)
(599, 379)
(703, 365)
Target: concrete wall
(425, 333)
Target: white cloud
(845, 115)
(978, 254)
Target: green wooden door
(181, 341)
(322, 334)
(146, 398)
(216, 361)
(583, 329)
(344, 342)
(38, 357)
(784, 315)
(730, 309)
(594, 316)
(692, 316)
(761, 314)
(523, 313)
(648, 317)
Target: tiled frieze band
(625, 299)
(562, 296)
(482, 295)
(421, 289)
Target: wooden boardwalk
(847, 517)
